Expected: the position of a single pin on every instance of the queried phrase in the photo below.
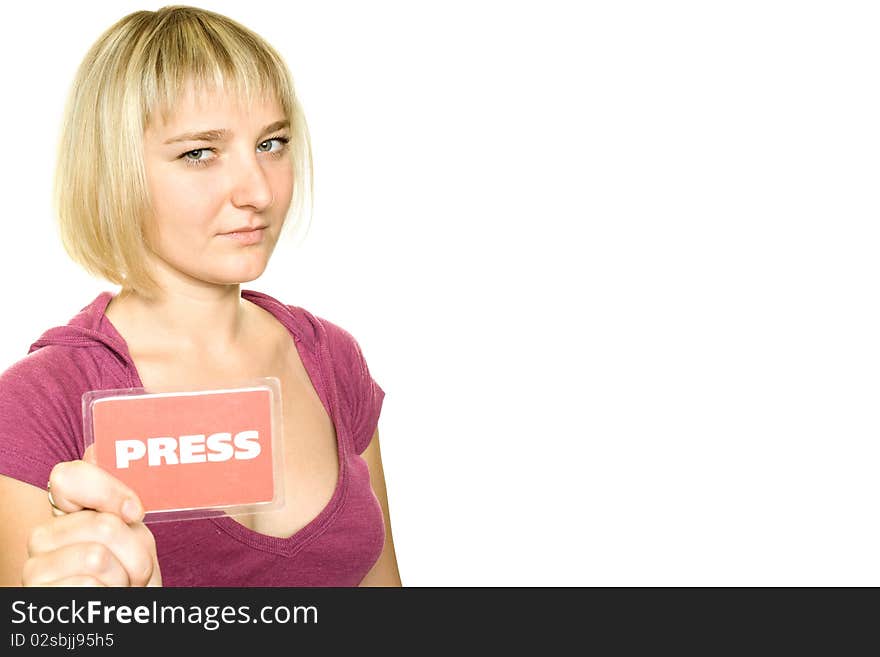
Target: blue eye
(284, 141)
(199, 162)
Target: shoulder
(328, 340)
(341, 357)
(361, 395)
(41, 411)
(317, 332)
(49, 382)
(52, 369)
(334, 340)
(333, 334)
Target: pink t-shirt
(41, 424)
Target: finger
(132, 546)
(92, 560)
(55, 510)
(76, 580)
(146, 537)
(77, 485)
(89, 455)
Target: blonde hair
(138, 67)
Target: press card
(191, 453)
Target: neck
(187, 318)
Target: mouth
(246, 235)
(244, 229)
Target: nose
(250, 184)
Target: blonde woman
(183, 149)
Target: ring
(51, 499)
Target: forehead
(214, 109)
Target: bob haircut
(135, 71)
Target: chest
(309, 443)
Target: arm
(23, 507)
(91, 537)
(384, 572)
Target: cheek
(182, 200)
(283, 183)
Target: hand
(96, 537)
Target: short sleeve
(360, 394)
(40, 417)
(372, 397)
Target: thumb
(89, 455)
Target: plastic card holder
(192, 452)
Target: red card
(188, 450)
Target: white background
(614, 264)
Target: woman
(182, 150)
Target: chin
(246, 277)
(234, 276)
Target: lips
(243, 229)
(248, 236)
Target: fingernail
(132, 510)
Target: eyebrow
(222, 133)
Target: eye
(284, 141)
(198, 161)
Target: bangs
(188, 53)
